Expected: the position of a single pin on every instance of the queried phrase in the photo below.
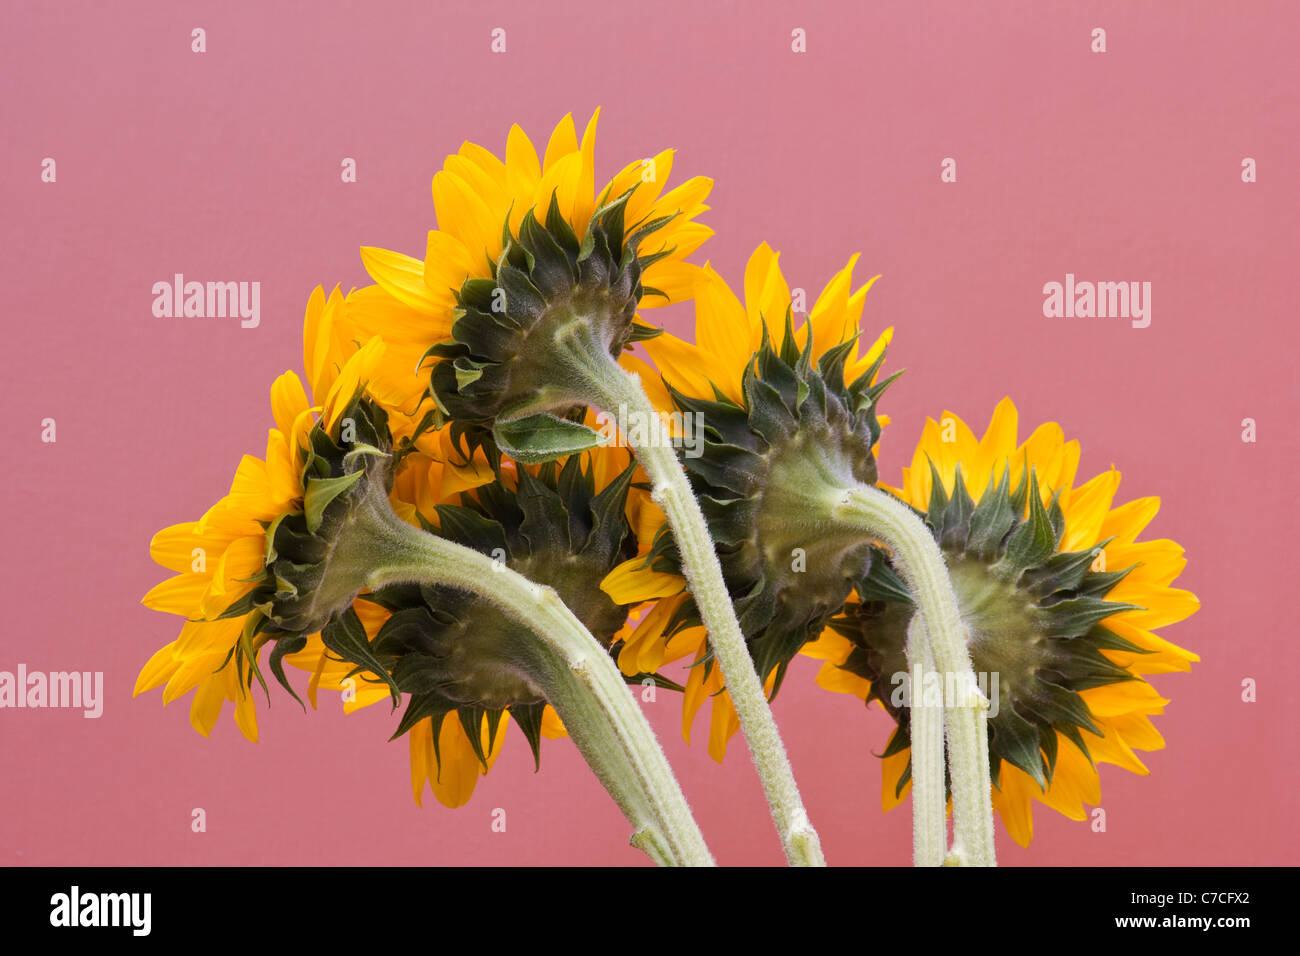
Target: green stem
(576, 674)
(883, 517)
(602, 383)
(929, 805)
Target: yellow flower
(1062, 603)
(775, 400)
(562, 526)
(729, 332)
(484, 204)
(220, 558)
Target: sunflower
(526, 302)
(221, 559)
(520, 241)
(782, 410)
(561, 525)
(1061, 602)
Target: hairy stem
(576, 674)
(929, 804)
(604, 384)
(881, 516)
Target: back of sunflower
(446, 521)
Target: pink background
(225, 166)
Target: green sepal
(1074, 616)
(642, 333)
(321, 491)
(418, 707)
(1016, 741)
(247, 652)
(544, 437)
(1033, 541)
(346, 637)
(882, 582)
(529, 719)
(291, 644)
(1062, 572)
(797, 428)
(957, 514)
(269, 557)
(471, 719)
(466, 526)
(638, 680)
(991, 520)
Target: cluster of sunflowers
(442, 519)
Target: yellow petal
(584, 203)
(447, 264)
(891, 771)
(998, 443)
(174, 547)
(402, 277)
(523, 172)
(1127, 521)
(178, 595)
(1011, 799)
(157, 670)
(722, 329)
(420, 743)
(206, 707)
(563, 142)
(560, 182)
(675, 280)
(1087, 509)
(463, 214)
(632, 583)
(685, 366)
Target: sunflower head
(1032, 613)
(783, 416)
(1055, 595)
(761, 474)
(562, 526)
(238, 564)
(531, 268)
(549, 287)
(318, 556)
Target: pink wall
(1117, 166)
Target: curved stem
(576, 674)
(929, 805)
(605, 385)
(917, 556)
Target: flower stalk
(596, 379)
(917, 556)
(929, 804)
(566, 662)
